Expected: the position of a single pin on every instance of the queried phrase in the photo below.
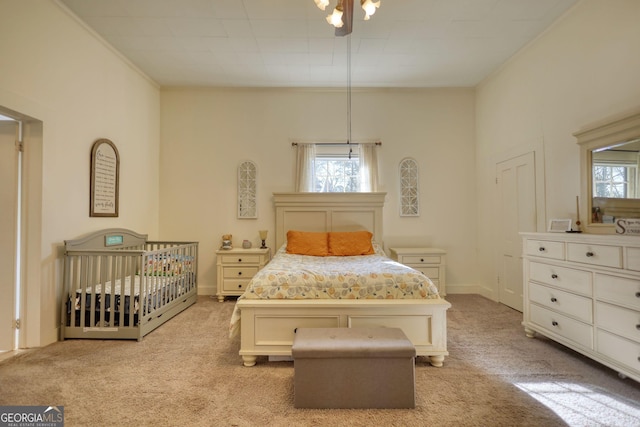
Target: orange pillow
(307, 243)
(349, 243)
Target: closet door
(8, 231)
(516, 186)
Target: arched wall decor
(409, 192)
(247, 202)
(105, 179)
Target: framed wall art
(105, 177)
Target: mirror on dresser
(610, 172)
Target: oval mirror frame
(607, 133)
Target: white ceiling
(288, 43)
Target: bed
(266, 319)
(119, 285)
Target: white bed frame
(267, 327)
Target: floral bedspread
(375, 276)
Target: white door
(516, 212)
(8, 231)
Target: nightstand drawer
(240, 259)
(419, 259)
(430, 272)
(238, 272)
(235, 285)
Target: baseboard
(463, 289)
(207, 290)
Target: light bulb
(369, 8)
(322, 4)
(335, 18)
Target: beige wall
(54, 70)
(585, 68)
(206, 133)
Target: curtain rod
(294, 144)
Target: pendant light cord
(349, 92)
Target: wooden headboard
(328, 212)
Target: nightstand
(429, 261)
(236, 267)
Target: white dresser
(583, 290)
(429, 261)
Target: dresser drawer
(619, 349)
(571, 329)
(240, 259)
(419, 259)
(238, 272)
(564, 302)
(633, 259)
(562, 277)
(235, 285)
(593, 254)
(545, 249)
(618, 290)
(618, 320)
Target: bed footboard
(268, 326)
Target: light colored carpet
(188, 373)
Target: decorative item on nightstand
(226, 242)
(429, 261)
(263, 237)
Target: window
(615, 180)
(336, 168)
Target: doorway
(516, 188)
(9, 230)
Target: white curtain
(368, 167)
(305, 160)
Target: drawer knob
(637, 294)
(239, 259)
(554, 276)
(542, 249)
(239, 286)
(554, 323)
(239, 273)
(554, 299)
(589, 254)
(421, 259)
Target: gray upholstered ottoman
(353, 368)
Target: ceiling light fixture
(338, 18)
